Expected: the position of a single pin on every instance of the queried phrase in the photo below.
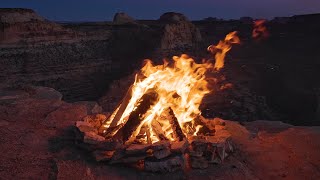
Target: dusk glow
(93, 10)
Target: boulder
(17, 15)
(123, 18)
(39, 92)
(65, 116)
(173, 17)
(179, 32)
(92, 106)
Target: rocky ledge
(37, 140)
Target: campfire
(158, 126)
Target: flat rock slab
(170, 164)
(137, 148)
(103, 155)
(180, 146)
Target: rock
(180, 146)
(162, 153)
(103, 155)
(221, 151)
(92, 107)
(199, 162)
(137, 149)
(39, 92)
(123, 18)
(218, 121)
(42, 52)
(130, 159)
(92, 138)
(85, 127)
(196, 153)
(170, 164)
(95, 120)
(96, 109)
(160, 145)
(219, 127)
(65, 116)
(179, 32)
(173, 17)
(18, 15)
(199, 145)
(10, 96)
(118, 154)
(109, 145)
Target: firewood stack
(162, 156)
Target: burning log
(122, 107)
(157, 129)
(136, 116)
(177, 131)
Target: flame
(180, 87)
(260, 30)
(222, 48)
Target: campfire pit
(162, 156)
(158, 125)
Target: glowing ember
(222, 48)
(163, 103)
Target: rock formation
(179, 32)
(40, 52)
(79, 59)
(11, 16)
(123, 18)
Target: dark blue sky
(100, 10)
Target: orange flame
(180, 87)
(222, 48)
(260, 30)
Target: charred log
(136, 116)
(177, 131)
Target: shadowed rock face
(80, 60)
(40, 52)
(18, 15)
(179, 32)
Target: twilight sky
(100, 10)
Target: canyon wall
(39, 52)
(78, 59)
(81, 60)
